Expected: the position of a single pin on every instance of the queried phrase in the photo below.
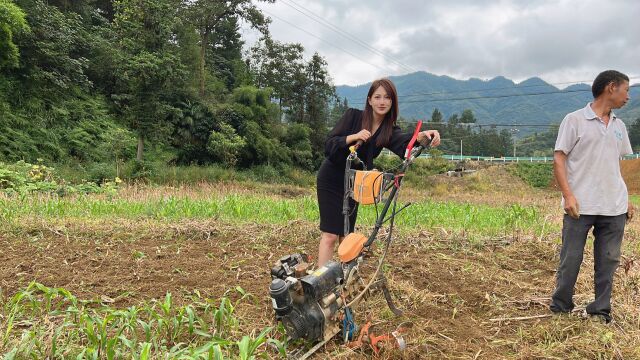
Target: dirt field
(631, 173)
(630, 170)
(452, 290)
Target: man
(586, 164)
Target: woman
(376, 128)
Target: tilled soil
(449, 289)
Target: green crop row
(246, 208)
(51, 323)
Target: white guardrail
(509, 158)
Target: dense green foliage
(12, 20)
(461, 135)
(23, 178)
(159, 81)
(535, 174)
(420, 168)
(538, 144)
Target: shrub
(23, 178)
(535, 174)
(387, 163)
(265, 173)
(139, 170)
(99, 172)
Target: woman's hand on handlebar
(434, 135)
(362, 135)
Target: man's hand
(571, 206)
(630, 211)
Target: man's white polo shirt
(593, 168)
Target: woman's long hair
(386, 128)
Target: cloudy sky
(560, 41)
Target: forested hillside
(500, 111)
(95, 81)
(496, 101)
(113, 85)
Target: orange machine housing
(351, 247)
(367, 186)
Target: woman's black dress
(331, 174)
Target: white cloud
(559, 41)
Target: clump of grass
(477, 182)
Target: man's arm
(560, 172)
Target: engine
(307, 303)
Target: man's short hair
(605, 78)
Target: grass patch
(161, 174)
(172, 175)
(534, 174)
(244, 208)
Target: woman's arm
(399, 140)
(336, 146)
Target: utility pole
(513, 131)
(464, 124)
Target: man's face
(618, 94)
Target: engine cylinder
(280, 297)
(322, 281)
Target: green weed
(43, 322)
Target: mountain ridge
(495, 101)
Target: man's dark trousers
(608, 231)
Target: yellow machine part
(367, 186)
(351, 247)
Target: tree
(207, 16)
(467, 117)
(304, 91)
(539, 144)
(116, 145)
(319, 92)
(254, 118)
(436, 116)
(51, 51)
(281, 67)
(226, 59)
(225, 145)
(338, 109)
(12, 20)
(149, 70)
(297, 139)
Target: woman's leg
(327, 245)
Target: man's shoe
(601, 318)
